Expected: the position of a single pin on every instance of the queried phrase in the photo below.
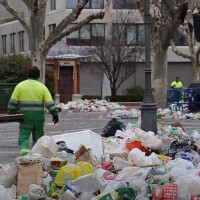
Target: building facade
(92, 81)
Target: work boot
(24, 152)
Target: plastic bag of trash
(148, 139)
(4, 194)
(176, 146)
(36, 192)
(102, 178)
(72, 172)
(188, 156)
(8, 174)
(112, 126)
(120, 163)
(133, 173)
(189, 184)
(138, 157)
(178, 171)
(178, 162)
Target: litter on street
(114, 159)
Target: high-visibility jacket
(29, 98)
(176, 84)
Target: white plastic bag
(149, 140)
(103, 178)
(36, 192)
(179, 162)
(8, 174)
(133, 173)
(120, 163)
(188, 185)
(138, 157)
(178, 171)
(4, 194)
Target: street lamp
(148, 106)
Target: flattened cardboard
(28, 174)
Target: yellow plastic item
(68, 173)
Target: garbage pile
(116, 110)
(177, 115)
(124, 162)
(90, 106)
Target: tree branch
(52, 40)
(16, 14)
(74, 14)
(197, 55)
(179, 53)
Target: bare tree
(194, 51)
(120, 53)
(167, 15)
(34, 27)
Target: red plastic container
(136, 144)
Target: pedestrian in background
(29, 98)
(176, 84)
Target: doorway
(66, 83)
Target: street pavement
(69, 122)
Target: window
(51, 28)
(3, 37)
(124, 4)
(12, 42)
(129, 34)
(90, 34)
(92, 4)
(21, 41)
(53, 4)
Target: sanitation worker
(29, 98)
(176, 84)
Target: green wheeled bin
(6, 90)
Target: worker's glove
(55, 119)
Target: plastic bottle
(62, 146)
(24, 197)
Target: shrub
(13, 69)
(135, 94)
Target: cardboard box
(28, 174)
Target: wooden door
(66, 83)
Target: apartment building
(14, 39)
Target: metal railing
(177, 99)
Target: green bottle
(24, 197)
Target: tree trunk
(159, 78)
(113, 93)
(38, 58)
(196, 73)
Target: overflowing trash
(124, 162)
